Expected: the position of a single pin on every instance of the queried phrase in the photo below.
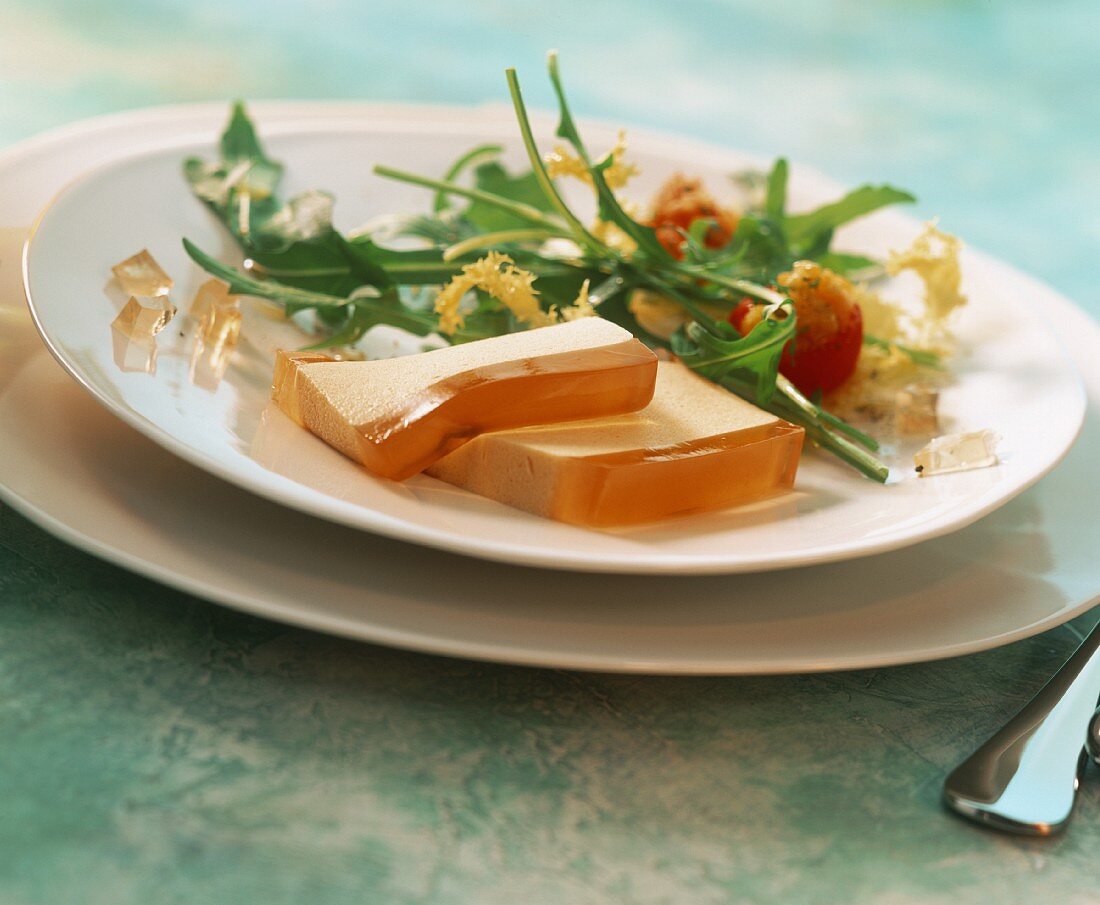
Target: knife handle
(1025, 778)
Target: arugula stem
(526, 211)
(665, 288)
(405, 274)
(487, 240)
(263, 272)
(580, 233)
(610, 209)
(607, 289)
(801, 411)
(746, 287)
(470, 157)
(848, 452)
(789, 390)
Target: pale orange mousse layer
(695, 448)
(436, 418)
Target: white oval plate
(1027, 568)
(1014, 378)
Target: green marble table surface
(157, 748)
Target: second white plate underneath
(1014, 376)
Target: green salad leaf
(722, 352)
(491, 177)
(811, 230)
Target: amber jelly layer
(547, 389)
(646, 485)
(633, 486)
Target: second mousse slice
(398, 416)
(696, 447)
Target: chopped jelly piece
(143, 317)
(695, 447)
(216, 339)
(957, 452)
(397, 416)
(915, 411)
(212, 293)
(141, 275)
(134, 354)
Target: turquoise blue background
(989, 111)
(154, 748)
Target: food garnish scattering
(149, 309)
(749, 296)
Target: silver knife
(1025, 778)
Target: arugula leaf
(364, 312)
(722, 352)
(245, 179)
(758, 250)
(775, 201)
(326, 263)
(806, 230)
(296, 239)
(239, 140)
(411, 266)
(645, 237)
(494, 179)
(749, 366)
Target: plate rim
(301, 498)
(489, 652)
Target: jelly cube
(133, 354)
(141, 275)
(143, 317)
(212, 293)
(215, 341)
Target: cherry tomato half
(829, 334)
(821, 364)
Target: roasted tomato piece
(680, 202)
(829, 335)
